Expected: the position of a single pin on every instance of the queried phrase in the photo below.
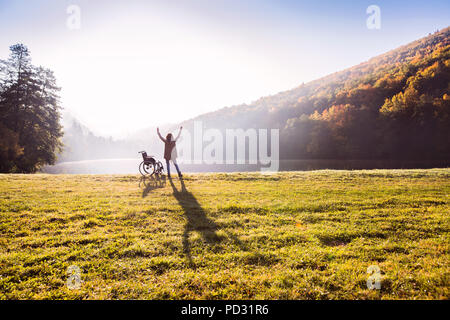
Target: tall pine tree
(29, 114)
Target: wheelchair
(150, 166)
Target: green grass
(297, 235)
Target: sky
(128, 65)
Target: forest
(394, 106)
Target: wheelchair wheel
(146, 168)
(159, 167)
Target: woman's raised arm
(179, 133)
(159, 134)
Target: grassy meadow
(289, 235)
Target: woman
(170, 151)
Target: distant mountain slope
(80, 143)
(395, 105)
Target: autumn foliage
(394, 106)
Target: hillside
(394, 106)
(80, 143)
(297, 235)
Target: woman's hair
(169, 137)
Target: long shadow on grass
(151, 183)
(196, 219)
